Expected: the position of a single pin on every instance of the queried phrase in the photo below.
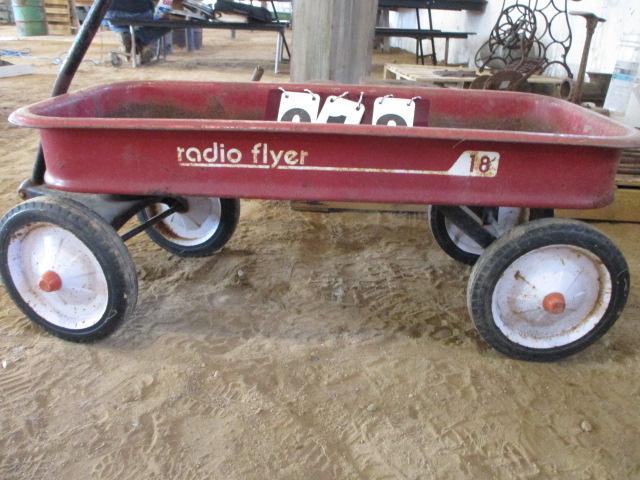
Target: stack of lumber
(6, 14)
(61, 19)
(630, 162)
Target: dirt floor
(343, 349)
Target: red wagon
(180, 154)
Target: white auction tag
(341, 110)
(394, 112)
(298, 107)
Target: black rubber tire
(525, 238)
(230, 214)
(437, 225)
(100, 238)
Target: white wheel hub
(551, 296)
(508, 218)
(57, 275)
(195, 226)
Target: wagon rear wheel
(498, 220)
(547, 289)
(203, 228)
(66, 268)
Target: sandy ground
(345, 351)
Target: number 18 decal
(484, 164)
(476, 164)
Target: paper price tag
(298, 107)
(341, 110)
(394, 112)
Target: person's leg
(146, 35)
(121, 30)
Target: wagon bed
(155, 138)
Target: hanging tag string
(333, 99)
(313, 95)
(360, 101)
(286, 94)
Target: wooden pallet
(447, 75)
(625, 207)
(61, 18)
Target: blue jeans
(144, 35)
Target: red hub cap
(554, 303)
(50, 281)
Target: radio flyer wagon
(179, 155)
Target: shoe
(147, 54)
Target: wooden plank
(15, 70)
(57, 9)
(75, 22)
(348, 206)
(433, 74)
(623, 180)
(625, 208)
(59, 29)
(63, 18)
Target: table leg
(134, 60)
(446, 51)
(278, 53)
(419, 44)
(433, 40)
(189, 39)
(286, 45)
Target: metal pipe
(149, 223)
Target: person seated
(145, 36)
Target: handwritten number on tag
(338, 119)
(296, 115)
(391, 119)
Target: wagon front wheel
(66, 268)
(201, 229)
(547, 289)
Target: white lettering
(193, 155)
(234, 155)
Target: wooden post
(332, 40)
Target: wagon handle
(70, 66)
